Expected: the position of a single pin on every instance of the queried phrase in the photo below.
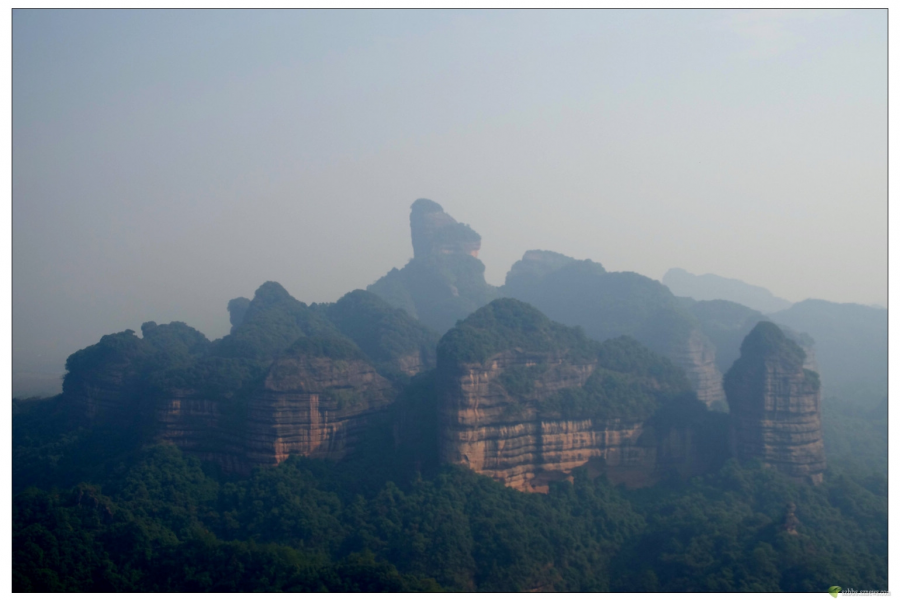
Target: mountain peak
(436, 232)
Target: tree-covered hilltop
(178, 357)
(134, 518)
(386, 334)
(273, 321)
(628, 380)
(766, 342)
(507, 324)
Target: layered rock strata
(313, 406)
(495, 433)
(527, 415)
(697, 356)
(775, 405)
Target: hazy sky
(165, 162)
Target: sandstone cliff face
(495, 433)
(313, 406)
(775, 405)
(200, 426)
(697, 356)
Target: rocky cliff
(775, 405)
(434, 232)
(525, 401)
(314, 403)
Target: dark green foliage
(519, 380)
(856, 435)
(273, 321)
(386, 334)
(508, 324)
(212, 376)
(325, 347)
(176, 339)
(630, 381)
(767, 339)
(118, 351)
(158, 522)
(724, 533)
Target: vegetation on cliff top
(508, 324)
(628, 381)
(383, 332)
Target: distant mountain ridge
(716, 287)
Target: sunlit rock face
(775, 405)
(511, 415)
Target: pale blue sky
(167, 161)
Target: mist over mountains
(289, 436)
(714, 287)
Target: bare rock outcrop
(775, 405)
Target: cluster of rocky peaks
(513, 394)
(289, 378)
(444, 284)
